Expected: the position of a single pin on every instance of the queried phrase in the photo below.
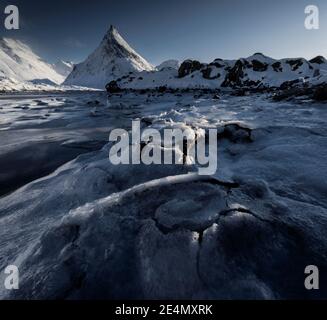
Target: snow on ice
(94, 230)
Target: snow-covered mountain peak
(260, 57)
(115, 44)
(113, 59)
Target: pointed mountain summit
(112, 59)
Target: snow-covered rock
(169, 64)
(261, 71)
(256, 71)
(112, 59)
(191, 74)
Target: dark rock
(289, 84)
(188, 67)
(162, 89)
(259, 66)
(218, 63)
(318, 60)
(295, 63)
(320, 93)
(112, 87)
(277, 66)
(95, 102)
(293, 92)
(316, 73)
(235, 75)
(236, 133)
(206, 73)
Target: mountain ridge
(115, 60)
(255, 71)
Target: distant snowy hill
(261, 71)
(18, 63)
(111, 60)
(169, 64)
(64, 68)
(256, 71)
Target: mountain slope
(19, 63)
(64, 68)
(112, 59)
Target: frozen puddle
(98, 231)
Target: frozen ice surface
(92, 230)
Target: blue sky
(180, 29)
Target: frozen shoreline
(94, 230)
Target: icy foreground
(94, 230)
